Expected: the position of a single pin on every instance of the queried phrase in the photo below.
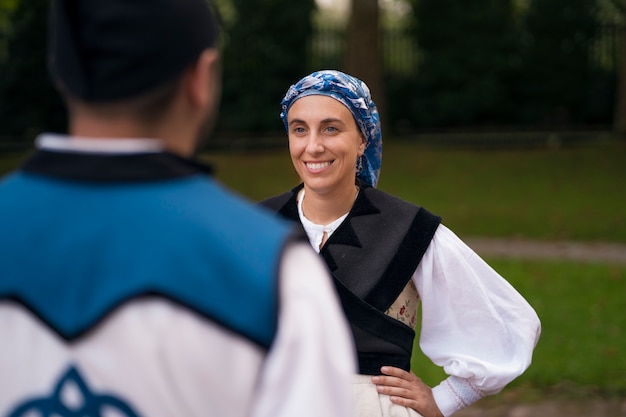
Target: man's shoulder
(213, 201)
(277, 202)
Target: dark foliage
(29, 103)
(265, 52)
(560, 80)
(482, 65)
(467, 62)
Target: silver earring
(359, 164)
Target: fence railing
(607, 48)
(401, 54)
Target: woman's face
(325, 143)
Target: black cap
(107, 50)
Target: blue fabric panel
(91, 247)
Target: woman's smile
(325, 144)
(315, 167)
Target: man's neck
(57, 142)
(181, 143)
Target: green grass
(541, 194)
(548, 194)
(581, 307)
(10, 161)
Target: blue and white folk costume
(123, 288)
(387, 255)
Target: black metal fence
(401, 54)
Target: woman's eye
(298, 130)
(331, 129)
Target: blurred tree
(265, 51)
(28, 102)
(363, 57)
(6, 10)
(619, 119)
(467, 61)
(556, 55)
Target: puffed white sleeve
(313, 359)
(474, 323)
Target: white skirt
(369, 403)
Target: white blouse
(474, 323)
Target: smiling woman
(387, 254)
(325, 145)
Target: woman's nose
(314, 144)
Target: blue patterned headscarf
(355, 95)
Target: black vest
(372, 256)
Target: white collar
(315, 232)
(57, 142)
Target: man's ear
(204, 79)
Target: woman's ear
(362, 145)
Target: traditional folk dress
(386, 255)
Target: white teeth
(317, 165)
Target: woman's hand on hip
(406, 389)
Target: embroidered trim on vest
(381, 340)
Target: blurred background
(431, 65)
(505, 117)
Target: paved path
(550, 408)
(528, 249)
(565, 400)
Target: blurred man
(131, 283)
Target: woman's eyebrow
(332, 120)
(294, 121)
(324, 121)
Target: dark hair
(114, 50)
(147, 107)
